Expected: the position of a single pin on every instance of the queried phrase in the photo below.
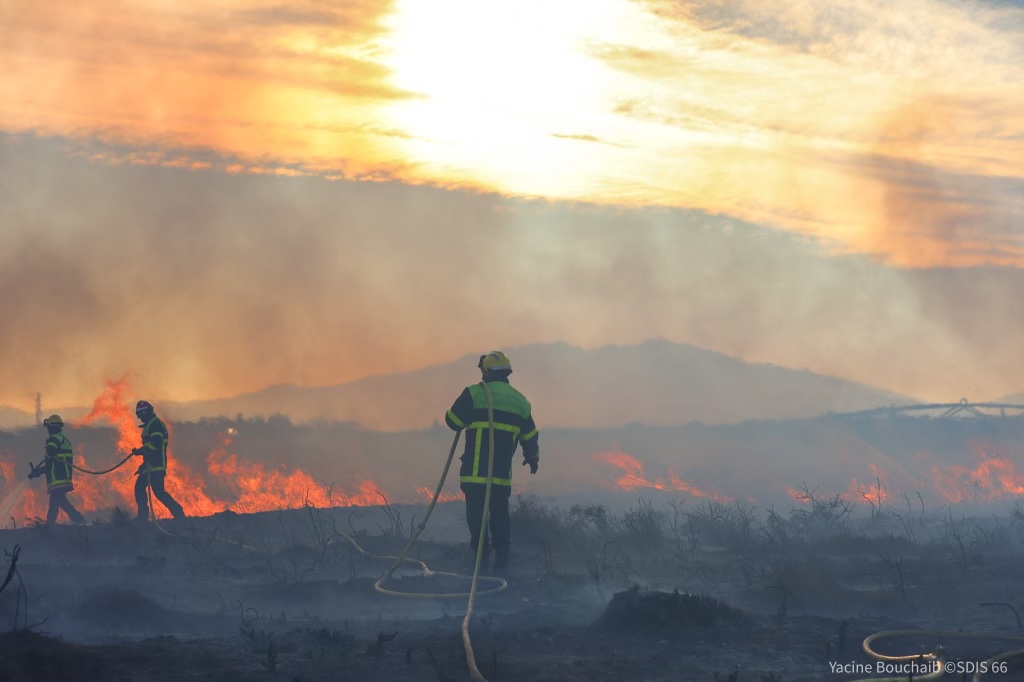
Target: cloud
(927, 35)
(773, 93)
(234, 80)
(736, 109)
(583, 138)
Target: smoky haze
(200, 285)
(975, 463)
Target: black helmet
(143, 407)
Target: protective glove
(137, 452)
(36, 472)
(534, 464)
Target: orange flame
(118, 488)
(110, 405)
(795, 494)
(992, 478)
(247, 486)
(28, 505)
(258, 488)
(633, 477)
(443, 497)
(875, 492)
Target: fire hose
(149, 487)
(105, 471)
(933, 661)
(83, 470)
(474, 671)
(37, 470)
(501, 583)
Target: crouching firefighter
(513, 424)
(58, 468)
(153, 469)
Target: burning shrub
(827, 515)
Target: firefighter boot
(501, 562)
(484, 561)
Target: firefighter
(57, 468)
(513, 425)
(153, 469)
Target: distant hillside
(657, 382)
(12, 418)
(1013, 398)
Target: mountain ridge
(656, 382)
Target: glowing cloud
(896, 133)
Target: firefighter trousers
(59, 500)
(499, 522)
(155, 480)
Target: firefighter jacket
(513, 424)
(57, 465)
(154, 445)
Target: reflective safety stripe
(147, 432)
(508, 405)
(455, 420)
(483, 479)
(64, 457)
(483, 426)
(55, 482)
(529, 435)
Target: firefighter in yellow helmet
(58, 468)
(513, 425)
(153, 469)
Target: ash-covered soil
(691, 595)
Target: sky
(215, 197)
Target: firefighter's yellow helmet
(53, 422)
(495, 361)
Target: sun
(507, 96)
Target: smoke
(170, 228)
(200, 284)
(108, 269)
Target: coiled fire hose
(420, 527)
(933, 660)
(501, 583)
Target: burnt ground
(686, 593)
